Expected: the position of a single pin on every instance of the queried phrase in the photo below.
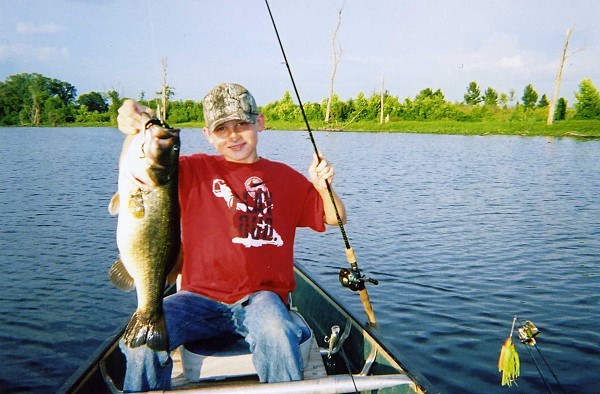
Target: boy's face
(236, 140)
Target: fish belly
(149, 246)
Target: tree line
(33, 100)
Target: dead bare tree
(337, 54)
(381, 100)
(35, 108)
(558, 79)
(163, 115)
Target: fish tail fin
(150, 330)
(119, 276)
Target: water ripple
(463, 234)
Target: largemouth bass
(148, 233)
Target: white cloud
(25, 52)
(515, 61)
(502, 54)
(46, 28)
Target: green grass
(578, 128)
(565, 128)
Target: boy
(239, 214)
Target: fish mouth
(163, 133)
(158, 127)
(163, 151)
(164, 141)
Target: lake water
(463, 234)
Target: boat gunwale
(91, 368)
(369, 331)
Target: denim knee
(147, 369)
(273, 338)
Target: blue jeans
(261, 318)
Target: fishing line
(356, 277)
(151, 13)
(347, 362)
(312, 139)
(545, 362)
(537, 366)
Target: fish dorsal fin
(119, 276)
(113, 205)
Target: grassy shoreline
(565, 128)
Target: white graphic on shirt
(220, 189)
(255, 225)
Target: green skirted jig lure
(508, 362)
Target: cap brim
(236, 116)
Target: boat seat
(231, 356)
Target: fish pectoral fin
(119, 276)
(113, 205)
(136, 204)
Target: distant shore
(563, 128)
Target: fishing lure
(509, 363)
(527, 333)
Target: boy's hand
(130, 116)
(320, 172)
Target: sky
(404, 46)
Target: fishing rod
(527, 333)
(352, 278)
(509, 362)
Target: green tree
(83, 115)
(156, 103)
(115, 104)
(283, 109)
(313, 111)
(392, 106)
(38, 96)
(503, 100)
(529, 98)
(23, 97)
(94, 101)
(543, 103)
(373, 106)
(512, 95)
(490, 97)
(588, 101)
(359, 109)
(55, 111)
(63, 90)
(428, 105)
(473, 95)
(184, 111)
(339, 109)
(561, 109)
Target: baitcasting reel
(354, 279)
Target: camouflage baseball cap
(228, 101)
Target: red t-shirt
(238, 224)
